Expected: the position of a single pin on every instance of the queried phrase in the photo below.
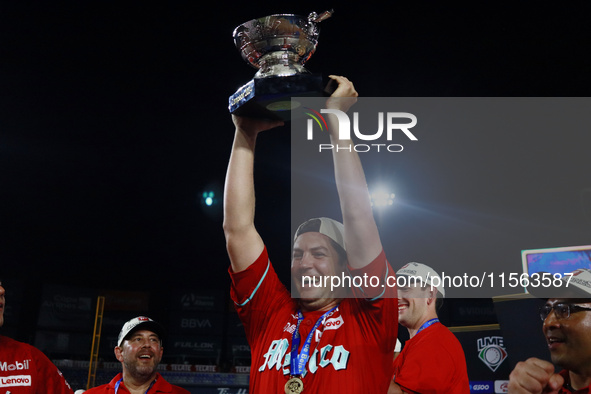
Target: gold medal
(294, 386)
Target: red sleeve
(257, 293)
(377, 278)
(50, 377)
(376, 306)
(245, 283)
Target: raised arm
(361, 233)
(243, 242)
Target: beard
(140, 371)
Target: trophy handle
(314, 17)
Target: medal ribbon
(121, 380)
(427, 324)
(298, 361)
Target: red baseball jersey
(565, 389)
(160, 386)
(24, 369)
(351, 350)
(432, 361)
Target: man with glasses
(567, 328)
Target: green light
(208, 198)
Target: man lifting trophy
(278, 46)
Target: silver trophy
(278, 46)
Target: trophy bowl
(278, 46)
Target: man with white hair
(432, 360)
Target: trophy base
(270, 97)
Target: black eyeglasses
(562, 311)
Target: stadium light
(382, 198)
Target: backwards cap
(329, 227)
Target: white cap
(423, 274)
(329, 227)
(140, 323)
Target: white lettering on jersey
(333, 324)
(290, 328)
(317, 335)
(16, 366)
(15, 380)
(338, 360)
(336, 356)
(275, 354)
